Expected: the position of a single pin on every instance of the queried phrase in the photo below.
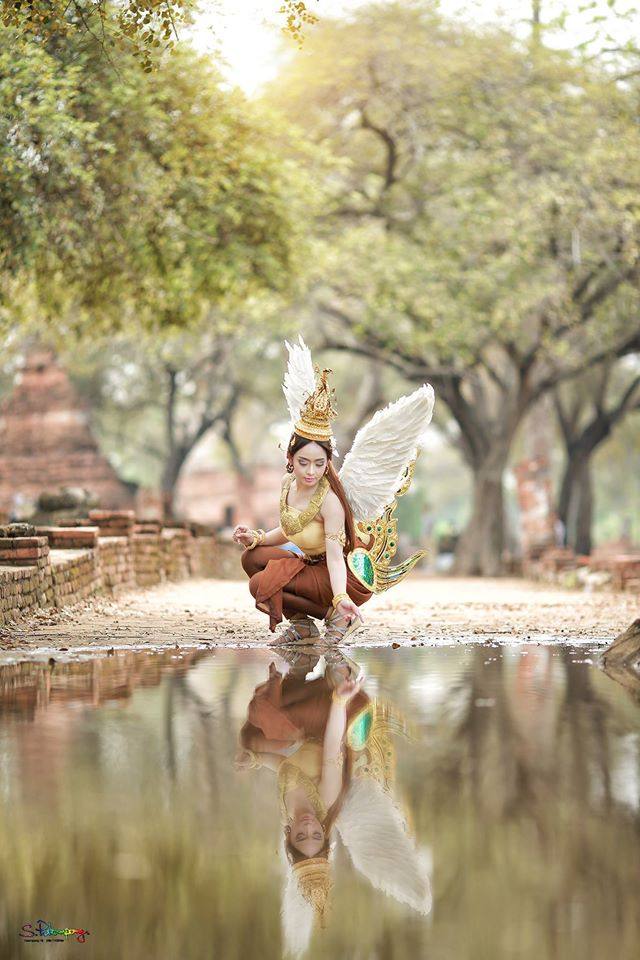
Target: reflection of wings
(382, 450)
(299, 380)
(374, 832)
(297, 918)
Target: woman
(342, 524)
(314, 515)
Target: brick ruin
(544, 558)
(47, 442)
(106, 553)
(535, 499)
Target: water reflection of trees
(516, 792)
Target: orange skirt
(304, 579)
(288, 708)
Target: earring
(289, 468)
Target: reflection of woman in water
(331, 748)
(297, 729)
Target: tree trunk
(575, 507)
(170, 476)
(479, 550)
(580, 521)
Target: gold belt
(315, 559)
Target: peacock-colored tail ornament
(369, 736)
(372, 564)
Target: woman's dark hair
(296, 443)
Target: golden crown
(314, 882)
(318, 411)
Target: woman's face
(307, 834)
(309, 464)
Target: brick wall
(106, 553)
(606, 570)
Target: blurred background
(428, 192)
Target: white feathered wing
(382, 450)
(296, 917)
(374, 832)
(299, 380)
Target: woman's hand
(349, 610)
(243, 534)
(347, 689)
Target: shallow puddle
(489, 807)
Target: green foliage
(143, 28)
(125, 194)
(139, 26)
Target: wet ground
(493, 809)
(420, 610)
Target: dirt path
(420, 611)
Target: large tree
(483, 229)
(155, 395)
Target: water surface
(516, 771)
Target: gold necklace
(292, 524)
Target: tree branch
(374, 348)
(390, 147)
(630, 345)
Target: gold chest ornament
(292, 520)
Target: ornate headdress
(318, 411)
(305, 903)
(309, 398)
(314, 883)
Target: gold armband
(340, 536)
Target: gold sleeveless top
(303, 769)
(304, 527)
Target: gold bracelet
(337, 698)
(338, 597)
(258, 538)
(254, 763)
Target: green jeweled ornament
(360, 563)
(359, 729)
